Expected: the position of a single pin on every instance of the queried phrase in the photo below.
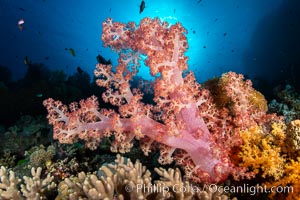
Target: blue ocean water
(259, 38)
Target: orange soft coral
(260, 152)
(290, 182)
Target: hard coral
(127, 180)
(293, 135)
(32, 188)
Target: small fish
(79, 70)
(199, 1)
(26, 60)
(110, 10)
(21, 24)
(72, 51)
(102, 60)
(39, 95)
(174, 10)
(22, 9)
(23, 161)
(224, 34)
(142, 6)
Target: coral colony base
(215, 132)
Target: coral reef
(219, 133)
(184, 122)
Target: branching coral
(115, 181)
(127, 180)
(86, 186)
(175, 188)
(9, 184)
(33, 188)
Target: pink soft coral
(184, 121)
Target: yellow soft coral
(290, 182)
(278, 133)
(261, 152)
(291, 176)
